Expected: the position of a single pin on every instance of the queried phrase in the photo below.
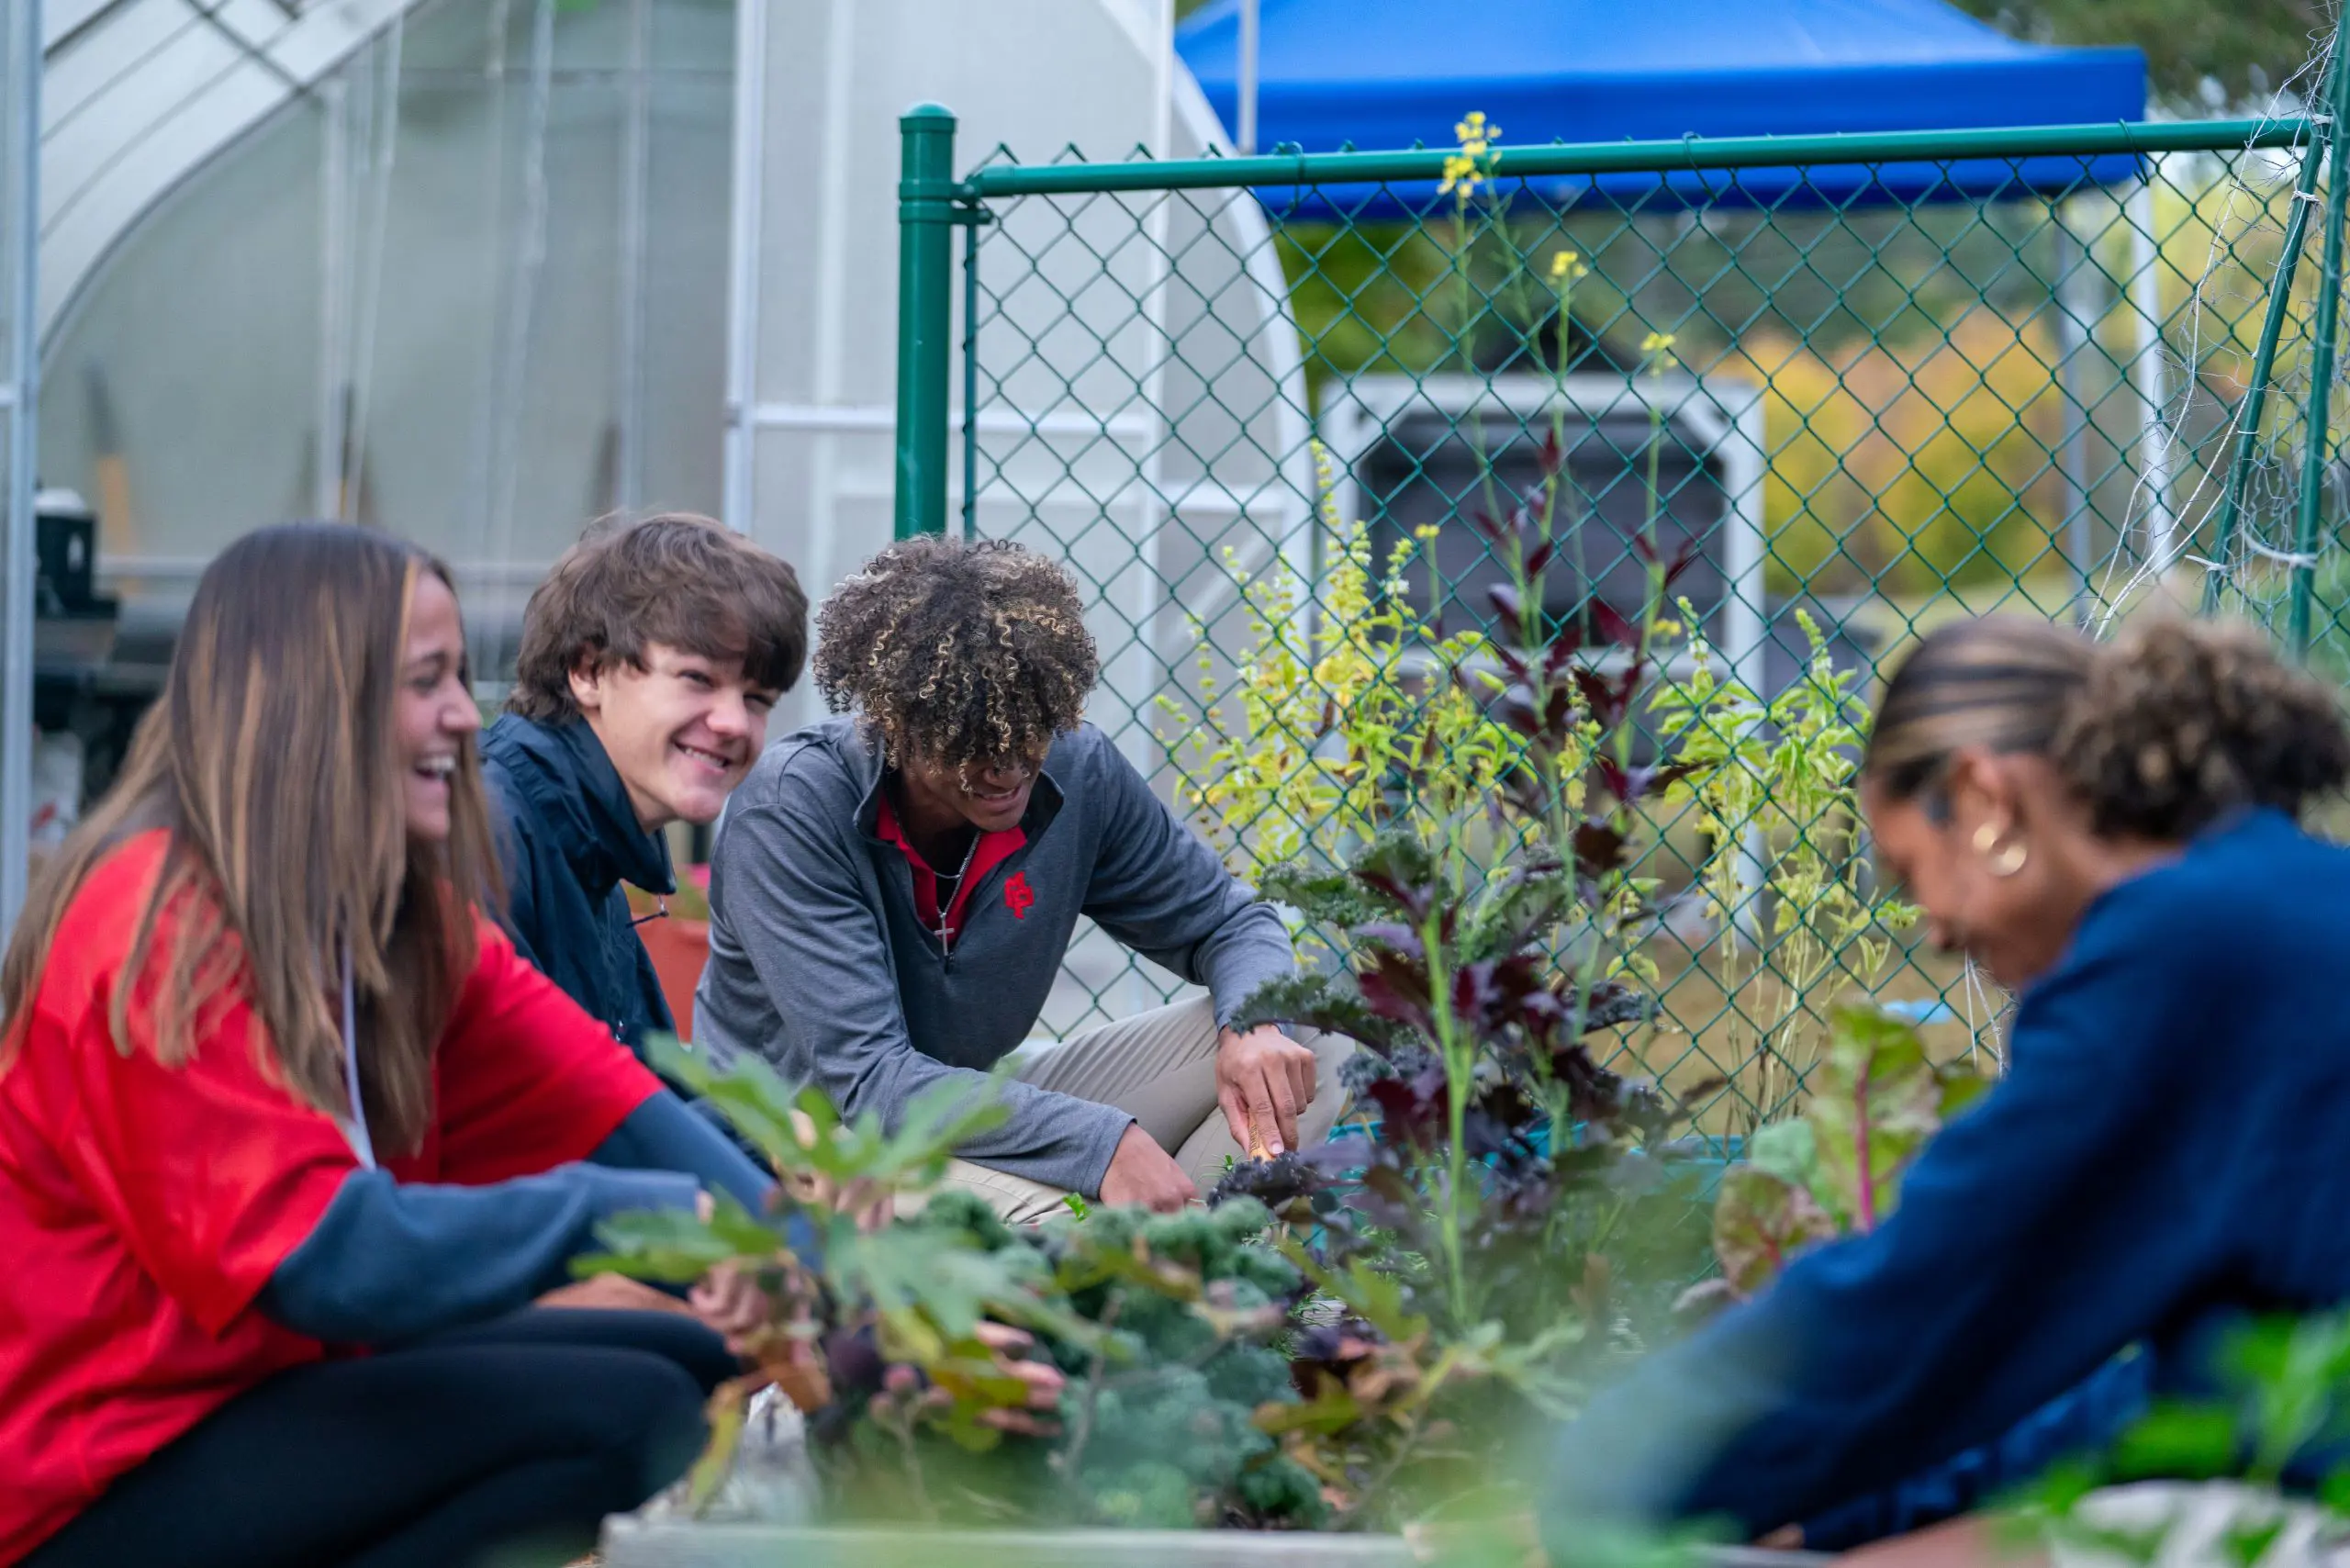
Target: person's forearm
(2086, 1419)
(666, 1134)
(1056, 1139)
(389, 1262)
(1251, 950)
(663, 1134)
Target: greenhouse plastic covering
(138, 94)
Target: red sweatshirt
(143, 1208)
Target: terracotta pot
(679, 947)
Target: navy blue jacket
(2167, 1148)
(568, 838)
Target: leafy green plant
(1505, 1237)
(1165, 1327)
(1359, 718)
(1493, 1254)
(1172, 1366)
(1877, 1098)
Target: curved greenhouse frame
(477, 271)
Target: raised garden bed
(636, 1543)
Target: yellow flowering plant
(1474, 163)
(1770, 786)
(1343, 716)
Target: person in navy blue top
(652, 655)
(2110, 832)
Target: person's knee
(697, 1350)
(672, 1336)
(1016, 1199)
(658, 1427)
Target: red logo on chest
(1016, 896)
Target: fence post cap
(926, 113)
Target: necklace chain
(946, 900)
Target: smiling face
(991, 797)
(681, 732)
(435, 713)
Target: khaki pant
(1159, 1068)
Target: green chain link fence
(1870, 382)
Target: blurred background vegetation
(1913, 371)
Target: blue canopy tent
(1391, 73)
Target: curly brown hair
(957, 654)
(2160, 732)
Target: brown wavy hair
(676, 578)
(272, 760)
(2160, 732)
(961, 653)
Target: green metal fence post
(926, 314)
(2329, 315)
(972, 221)
(2254, 405)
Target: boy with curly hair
(893, 892)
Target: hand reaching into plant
(1008, 1347)
(1142, 1172)
(732, 1305)
(1263, 1080)
(871, 1210)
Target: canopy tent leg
(2076, 310)
(1746, 624)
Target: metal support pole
(926, 314)
(1251, 46)
(335, 241)
(2314, 456)
(737, 508)
(2075, 312)
(636, 177)
(1745, 620)
(2255, 403)
(2150, 376)
(22, 236)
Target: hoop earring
(2004, 860)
